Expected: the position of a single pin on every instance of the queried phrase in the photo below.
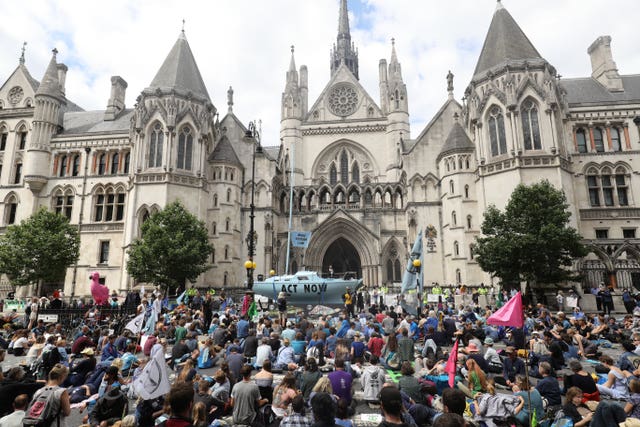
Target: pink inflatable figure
(100, 292)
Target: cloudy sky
(246, 44)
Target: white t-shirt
(34, 311)
(12, 420)
(21, 342)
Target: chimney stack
(603, 68)
(116, 101)
(62, 76)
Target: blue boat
(307, 288)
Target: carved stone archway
(342, 226)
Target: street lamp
(253, 135)
(417, 264)
(87, 150)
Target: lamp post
(417, 264)
(87, 150)
(253, 135)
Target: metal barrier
(71, 317)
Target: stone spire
(50, 85)
(180, 72)
(505, 43)
(24, 46)
(344, 51)
(450, 84)
(394, 65)
(292, 74)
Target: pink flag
(510, 314)
(450, 367)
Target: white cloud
(245, 43)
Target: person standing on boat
(282, 307)
(348, 302)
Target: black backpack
(112, 405)
(50, 357)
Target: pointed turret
(457, 141)
(180, 72)
(505, 44)
(344, 51)
(292, 74)
(397, 89)
(50, 85)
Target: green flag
(534, 419)
(253, 310)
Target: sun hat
(88, 351)
(488, 341)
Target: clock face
(15, 95)
(343, 100)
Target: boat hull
(302, 293)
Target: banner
(135, 325)
(300, 239)
(153, 382)
(411, 274)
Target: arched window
(229, 195)
(466, 191)
(530, 125)
(213, 255)
(4, 135)
(22, 138)
(593, 187)
(17, 177)
(63, 166)
(389, 271)
(467, 163)
(471, 251)
(451, 187)
(496, 132)
(214, 228)
(456, 248)
(469, 222)
(397, 270)
(115, 164)
(108, 205)
(447, 166)
(227, 224)
(10, 210)
(226, 253)
(615, 139)
(127, 162)
(607, 186)
(102, 164)
(215, 200)
(333, 175)
(156, 142)
(622, 187)
(355, 173)
(185, 149)
(63, 203)
(344, 168)
(581, 140)
(460, 163)
(458, 276)
(225, 279)
(597, 140)
(397, 99)
(75, 169)
(454, 219)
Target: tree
(39, 249)
(531, 240)
(173, 248)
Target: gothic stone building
(361, 183)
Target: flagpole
(526, 371)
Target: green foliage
(173, 248)
(40, 248)
(531, 240)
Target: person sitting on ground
(181, 402)
(245, 400)
(616, 384)
(264, 352)
(532, 399)
(341, 381)
(548, 386)
(405, 346)
(285, 392)
(372, 380)
(632, 408)
(324, 410)
(573, 400)
(297, 418)
(323, 386)
(453, 401)
(581, 379)
(409, 384)
(14, 383)
(513, 366)
(204, 396)
(221, 394)
(309, 377)
(200, 415)
(19, 406)
(342, 414)
(450, 420)
(286, 356)
(109, 408)
(264, 381)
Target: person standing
(282, 307)
(560, 301)
(245, 400)
(348, 302)
(595, 291)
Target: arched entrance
(343, 257)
